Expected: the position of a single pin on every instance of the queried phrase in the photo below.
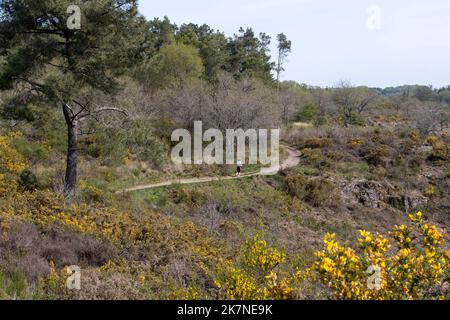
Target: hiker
(238, 168)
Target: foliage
(316, 191)
(306, 113)
(439, 152)
(284, 48)
(172, 64)
(315, 157)
(412, 266)
(255, 278)
(430, 191)
(78, 59)
(352, 102)
(11, 164)
(133, 140)
(28, 181)
(242, 55)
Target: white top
(239, 163)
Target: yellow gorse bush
(411, 264)
(414, 267)
(255, 278)
(354, 142)
(261, 257)
(430, 191)
(12, 164)
(431, 140)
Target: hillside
(87, 178)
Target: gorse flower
(12, 164)
(417, 266)
(260, 256)
(255, 278)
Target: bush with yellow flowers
(415, 136)
(412, 265)
(11, 164)
(354, 142)
(256, 276)
(431, 140)
(430, 191)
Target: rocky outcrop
(380, 195)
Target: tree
(352, 101)
(163, 32)
(227, 103)
(284, 48)
(55, 65)
(287, 100)
(306, 113)
(431, 117)
(249, 55)
(212, 47)
(173, 63)
(424, 93)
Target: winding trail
(292, 160)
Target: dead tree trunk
(71, 163)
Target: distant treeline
(423, 93)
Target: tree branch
(96, 111)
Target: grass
(350, 170)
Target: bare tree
(288, 102)
(429, 117)
(227, 104)
(241, 104)
(322, 100)
(75, 112)
(352, 100)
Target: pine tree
(56, 51)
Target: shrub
(296, 185)
(90, 193)
(415, 268)
(376, 154)
(320, 192)
(133, 140)
(351, 118)
(13, 286)
(430, 191)
(431, 140)
(33, 151)
(28, 181)
(440, 151)
(316, 143)
(336, 155)
(314, 157)
(306, 113)
(12, 164)
(316, 191)
(187, 196)
(255, 277)
(415, 137)
(354, 142)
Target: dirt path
(292, 160)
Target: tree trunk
(71, 163)
(278, 71)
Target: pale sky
(335, 40)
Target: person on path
(238, 168)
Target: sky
(379, 43)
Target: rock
(379, 195)
(368, 193)
(414, 200)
